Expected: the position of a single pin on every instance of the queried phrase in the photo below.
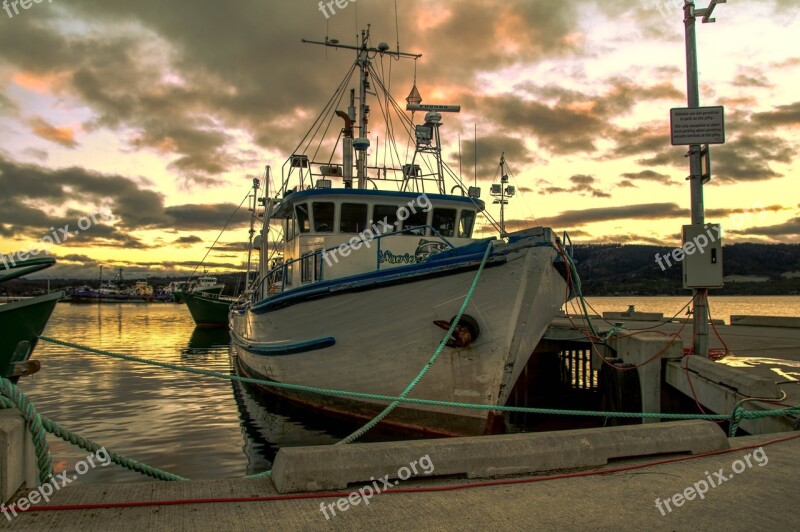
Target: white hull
(385, 335)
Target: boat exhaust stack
(347, 147)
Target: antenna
(460, 173)
(476, 155)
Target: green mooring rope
(14, 398)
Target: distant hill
(605, 269)
(615, 269)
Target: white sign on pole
(699, 125)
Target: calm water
(200, 427)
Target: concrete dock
(661, 476)
(761, 496)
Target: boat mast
(254, 211)
(263, 256)
(363, 61)
(362, 143)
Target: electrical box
(702, 256)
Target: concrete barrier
(17, 455)
(766, 321)
(747, 384)
(335, 467)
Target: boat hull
(382, 337)
(21, 324)
(207, 311)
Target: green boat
(23, 321)
(208, 310)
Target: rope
(39, 426)
(14, 398)
(220, 234)
(377, 419)
(411, 400)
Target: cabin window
(466, 224)
(444, 221)
(387, 213)
(354, 218)
(303, 222)
(307, 268)
(288, 274)
(415, 219)
(323, 217)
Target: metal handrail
(282, 268)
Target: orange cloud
(60, 135)
(34, 82)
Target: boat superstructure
(376, 262)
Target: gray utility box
(702, 261)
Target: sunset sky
(161, 112)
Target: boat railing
(280, 273)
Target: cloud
(490, 147)
(581, 184)
(788, 231)
(781, 115)
(29, 190)
(751, 78)
(648, 175)
(644, 211)
(748, 158)
(187, 241)
(64, 136)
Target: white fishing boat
(377, 262)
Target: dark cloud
(645, 211)
(786, 232)
(748, 158)
(182, 78)
(648, 175)
(748, 212)
(751, 78)
(581, 184)
(200, 217)
(490, 147)
(187, 241)
(782, 115)
(26, 187)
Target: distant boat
(208, 310)
(202, 285)
(116, 292)
(207, 285)
(23, 321)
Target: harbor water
(200, 427)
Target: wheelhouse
(335, 233)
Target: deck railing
(282, 272)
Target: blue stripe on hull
(284, 349)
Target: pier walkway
(761, 496)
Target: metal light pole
(700, 310)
